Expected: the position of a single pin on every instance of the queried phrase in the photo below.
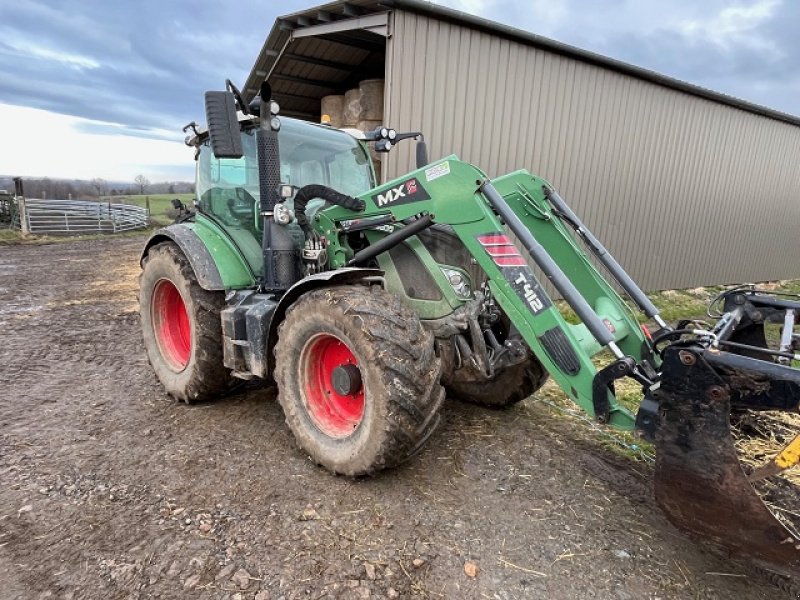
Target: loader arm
(455, 193)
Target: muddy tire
(181, 327)
(358, 378)
(506, 388)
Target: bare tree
(100, 186)
(142, 182)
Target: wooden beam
(320, 62)
(303, 80)
(377, 23)
(349, 10)
(356, 42)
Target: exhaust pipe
(281, 258)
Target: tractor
(367, 304)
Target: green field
(160, 204)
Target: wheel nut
(716, 392)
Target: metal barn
(684, 185)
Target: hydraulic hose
(309, 192)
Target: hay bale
(333, 106)
(371, 99)
(351, 113)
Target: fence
(79, 216)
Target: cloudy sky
(101, 88)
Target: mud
(110, 489)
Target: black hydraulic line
(603, 255)
(391, 240)
(768, 351)
(308, 192)
(546, 263)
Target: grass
(161, 211)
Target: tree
(100, 186)
(171, 188)
(142, 182)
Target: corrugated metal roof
(279, 36)
(301, 70)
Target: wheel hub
(334, 391)
(170, 319)
(346, 379)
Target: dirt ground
(110, 489)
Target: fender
(206, 250)
(318, 280)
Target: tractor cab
(227, 189)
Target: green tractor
(367, 304)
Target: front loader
(367, 304)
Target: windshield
(228, 188)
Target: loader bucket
(699, 482)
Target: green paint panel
(233, 265)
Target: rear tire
(385, 403)
(511, 385)
(181, 327)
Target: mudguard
(326, 279)
(215, 260)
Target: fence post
(23, 215)
(147, 204)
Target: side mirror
(223, 126)
(422, 153)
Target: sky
(102, 88)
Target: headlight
(459, 281)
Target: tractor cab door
(228, 189)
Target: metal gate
(79, 216)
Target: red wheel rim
(171, 325)
(335, 414)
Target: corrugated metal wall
(684, 191)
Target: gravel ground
(110, 489)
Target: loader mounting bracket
(603, 383)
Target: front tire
(358, 378)
(508, 387)
(181, 327)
